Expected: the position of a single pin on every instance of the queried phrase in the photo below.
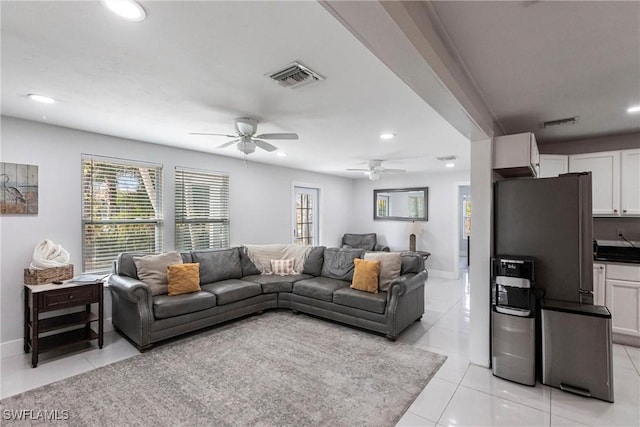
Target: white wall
(260, 200)
(481, 250)
(439, 232)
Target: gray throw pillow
(152, 270)
(314, 261)
(390, 266)
(338, 263)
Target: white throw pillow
(282, 267)
(390, 267)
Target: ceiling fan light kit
(246, 138)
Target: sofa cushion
(152, 270)
(321, 288)
(218, 264)
(367, 301)
(360, 241)
(314, 261)
(125, 266)
(411, 263)
(365, 275)
(338, 263)
(390, 265)
(248, 267)
(271, 284)
(183, 278)
(169, 306)
(228, 291)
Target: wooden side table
(49, 297)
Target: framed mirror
(401, 204)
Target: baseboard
(442, 274)
(13, 348)
(629, 340)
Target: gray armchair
(367, 242)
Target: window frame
(181, 218)
(86, 220)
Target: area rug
(276, 369)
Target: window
(202, 209)
(121, 210)
(306, 216)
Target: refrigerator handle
(584, 294)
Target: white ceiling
(535, 61)
(195, 66)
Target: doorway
(305, 206)
(464, 206)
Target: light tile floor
(460, 394)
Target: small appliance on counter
(513, 319)
(576, 348)
(616, 251)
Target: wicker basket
(47, 275)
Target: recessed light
(449, 165)
(387, 136)
(41, 98)
(281, 154)
(634, 109)
(127, 9)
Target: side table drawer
(68, 297)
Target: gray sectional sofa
(232, 287)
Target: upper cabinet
(630, 182)
(516, 155)
(605, 171)
(553, 165)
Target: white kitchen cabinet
(622, 297)
(630, 183)
(516, 155)
(553, 165)
(605, 172)
(598, 284)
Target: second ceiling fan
(376, 170)
(246, 137)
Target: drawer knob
(624, 211)
(615, 210)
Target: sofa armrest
(133, 290)
(405, 301)
(381, 248)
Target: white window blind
(121, 210)
(202, 209)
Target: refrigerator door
(549, 219)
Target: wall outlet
(619, 231)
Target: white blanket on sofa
(261, 256)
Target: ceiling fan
(246, 137)
(376, 170)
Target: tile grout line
(636, 367)
(452, 396)
(508, 399)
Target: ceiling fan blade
(359, 170)
(213, 134)
(278, 136)
(228, 143)
(394, 171)
(265, 145)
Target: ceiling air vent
(447, 158)
(560, 122)
(295, 75)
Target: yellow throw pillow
(183, 278)
(365, 275)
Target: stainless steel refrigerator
(549, 219)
